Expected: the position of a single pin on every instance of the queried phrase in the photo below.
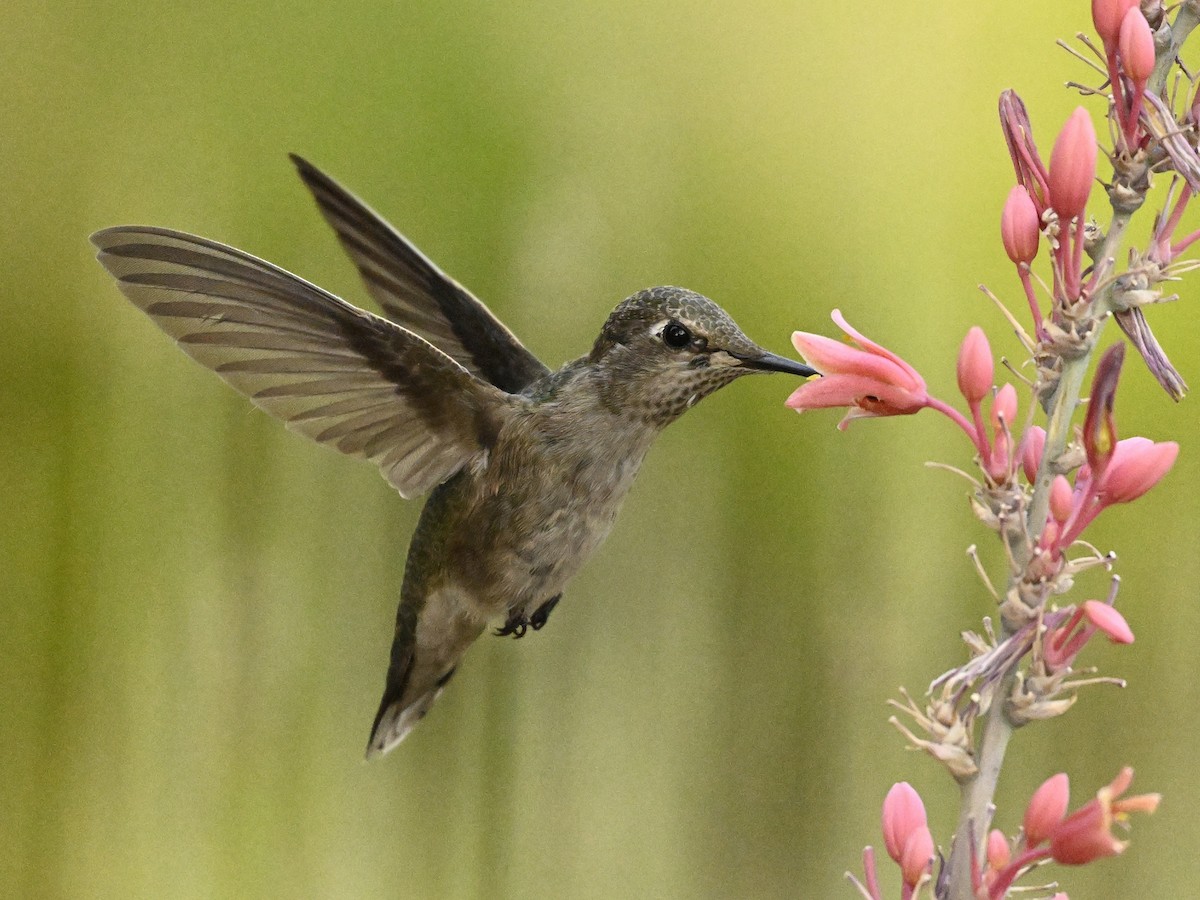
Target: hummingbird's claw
(517, 625)
(542, 614)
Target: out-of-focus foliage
(197, 606)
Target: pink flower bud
(1050, 534)
(903, 813)
(1137, 46)
(1106, 618)
(1046, 808)
(975, 366)
(1137, 465)
(917, 858)
(1019, 226)
(1107, 16)
(1062, 499)
(998, 851)
(1073, 166)
(1004, 407)
(1032, 446)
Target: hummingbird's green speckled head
(665, 348)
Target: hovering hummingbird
(527, 467)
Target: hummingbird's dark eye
(676, 336)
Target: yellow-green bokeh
(196, 605)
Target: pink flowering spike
(998, 851)
(1137, 465)
(1018, 134)
(1073, 166)
(916, 861)
(1019, 226)
(975, 366)
(1046, 808)
(1099, 430)
(1107, 16)
(1032, 446)
(1086, 834)
(1062, 499)
(1106, 618)
(1136, 44)
(903, 813)
(862, 375)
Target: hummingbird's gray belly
(526, 535)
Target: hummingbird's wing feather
(417, 294)
(343, 377)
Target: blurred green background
(197, 605)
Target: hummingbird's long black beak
(769, 362)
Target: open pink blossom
(1086, 834)
(867, 378)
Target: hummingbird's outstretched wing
(417, 294)
(343, 377)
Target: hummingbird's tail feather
(431, 639)
(397, 717)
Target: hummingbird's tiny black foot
(542, 613)
(517, 625)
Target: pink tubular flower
(1063, 643)
(867, 378)
(1019, 226)
(1105, 618)
(975, 366)
(1137, 464)
(1046, 808)
(1073, 166)
(1086, 834)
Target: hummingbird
(526, 468)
